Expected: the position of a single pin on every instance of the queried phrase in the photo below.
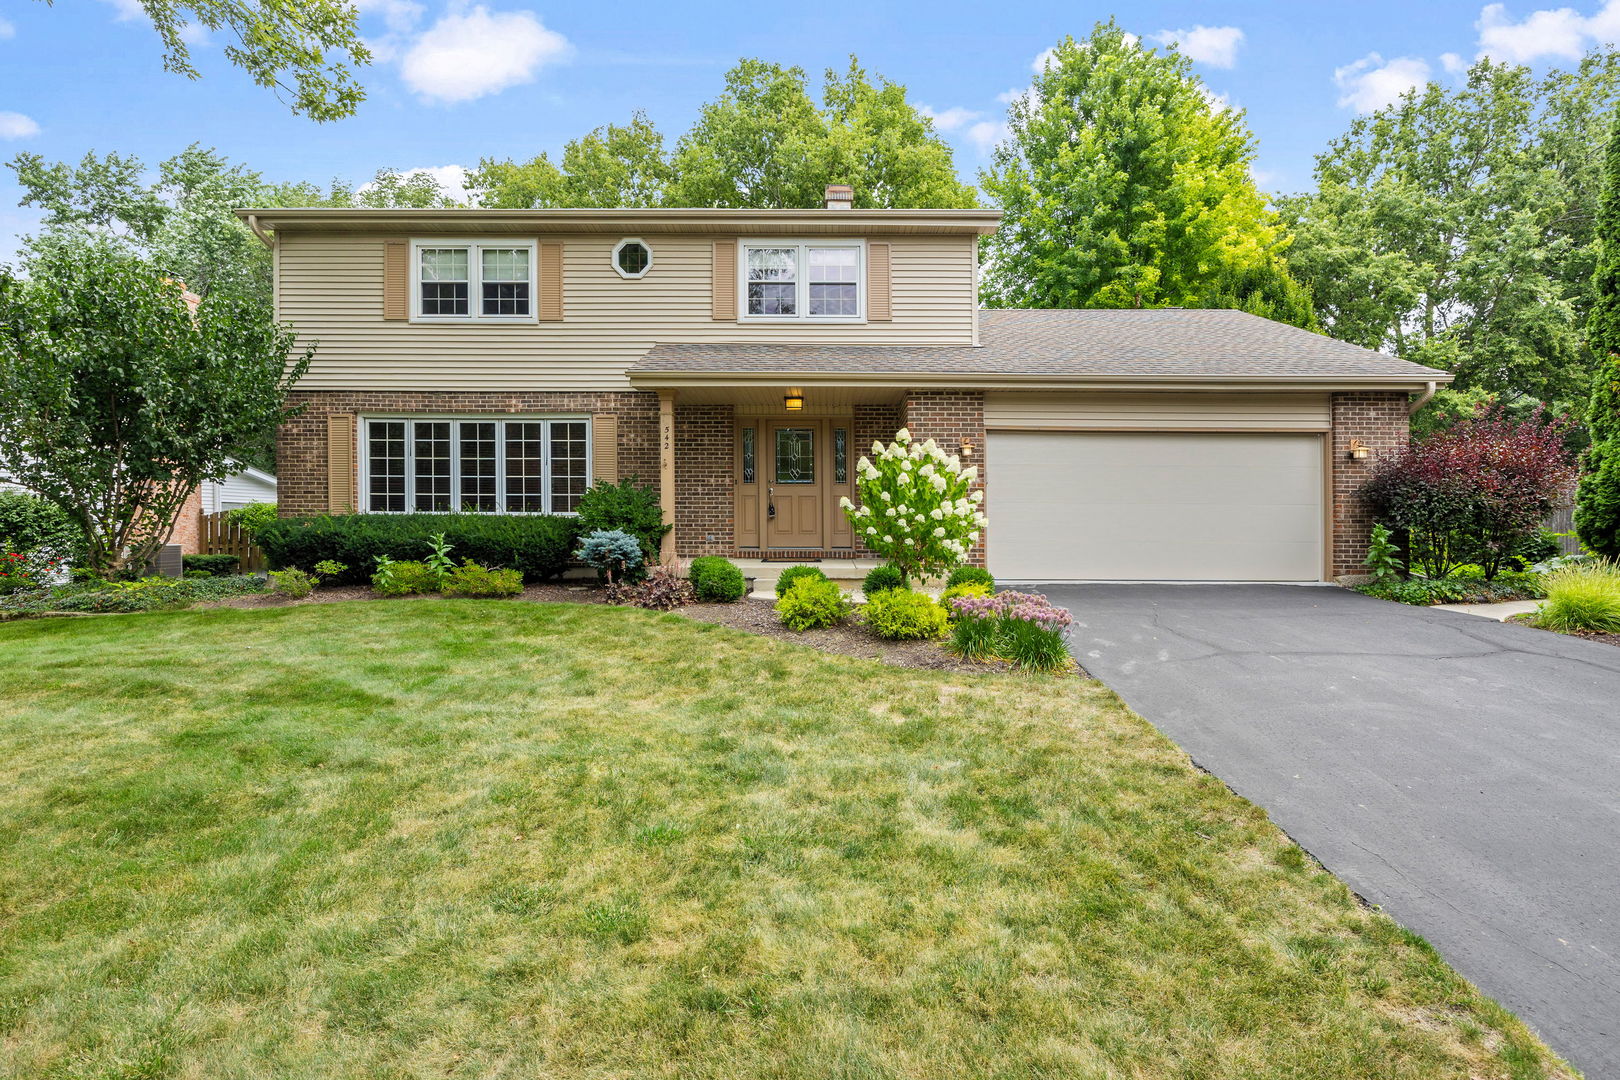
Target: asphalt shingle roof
(1066, 342)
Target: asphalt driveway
(1464, 774)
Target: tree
(1597, 503)
(765, 143)
(1124, 185)
(117, 399)
(307, 50)
(1455, 228)
(919, 508)
(610, 166)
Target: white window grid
(476, 484)
(817, 282)
(508, 266)
(618, 250)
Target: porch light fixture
(1359, 450)
(967, 447)
(793, 402)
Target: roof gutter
(258, 230)
(1423, 399)
(1028, 381)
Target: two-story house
(743, 360)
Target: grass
(1585, 596)
(457, 839)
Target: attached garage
(1148, 487)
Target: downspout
(258, 230)
(1422, 400)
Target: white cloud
(986, 134)
(450, 178)
(7, 30)
(14, 125)
(1216, 46)
(398, 15)
(1453, 64)
(1046, 56)
(949, 119)
(127, 9)
(1219, 102)
(470, 53)
(1372, 82)
(1559, 32)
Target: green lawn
(433, 838)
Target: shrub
(625, 507)
(883, 577)
(328, 569)
(716, 580)
(813, 603)
(1466, 585)
(663, 589)
(971, 575)
(616, 555)
(212, 565)
(1584, 597)
(146, 594)
(293, 584)
(30, 523)
(793, 574)
(969, 588)
(438, 562)
(539, 547)
(470, 579)
(252, 518)
(406, 578)
(1383, 561)
(903, 615)
(21, 570)
(1475, 492)
(919, 509)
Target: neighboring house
(742, 361)
(238, 490)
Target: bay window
(802, 281)
(528, 465)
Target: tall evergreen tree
(1125, 184)
(1597, 505)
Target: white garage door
(1071, 506)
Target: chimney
(840, 196)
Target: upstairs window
(468, 281)
(820, 281)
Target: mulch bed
(753, 616)
(1589, 635)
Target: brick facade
(1380, 420)
(705, 506)
(949, 417)
(187, 531)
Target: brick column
(705, 497)
(1378, 419)
(949, 417)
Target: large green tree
(1125, 184)
(765, 142)
(1456, 227)
(306, 51)
(118, 398)
(1597, 503)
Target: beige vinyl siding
(1100, 411)
(330, 288)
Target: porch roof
(1035, 348)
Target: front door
(796, 484)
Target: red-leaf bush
(1476, 492)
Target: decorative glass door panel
(797, 494)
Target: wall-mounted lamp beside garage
(967, 448)
(1359, 450)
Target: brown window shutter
(605, 447)
(340, 468)
(551, 281)
(879, 303)
(396, 280)
(725, 280)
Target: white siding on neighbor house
(330, 287)
(235, 491)
(1103, 411)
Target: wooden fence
(218, 536)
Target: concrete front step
(846, 573)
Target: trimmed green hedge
(539, 547)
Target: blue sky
(455, 81)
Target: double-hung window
(437, 465)
(803, 281)
(465, 281)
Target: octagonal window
(632, 258)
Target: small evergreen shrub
(971, 575)
(1583, 597)
(716, 580)
(813, 603)
(661, 590)
(471, 580)
(794, 573)
(883, 577)
(540, 547)
(293, 584)
(903, 615)
(616, 555)
(407, 578)
(212, 565)
(627, 506)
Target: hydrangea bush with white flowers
(919, 509)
